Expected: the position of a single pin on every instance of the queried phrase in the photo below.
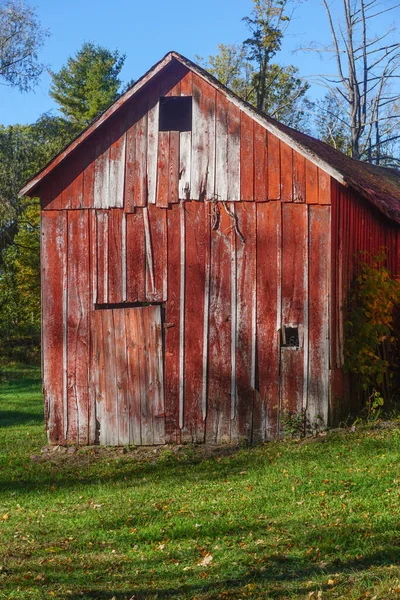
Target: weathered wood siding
(225, 232)
(359, 232)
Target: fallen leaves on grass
(205, 561)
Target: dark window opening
(125, 305)
(290, 337)
(175, 113)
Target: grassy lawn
(316, 519)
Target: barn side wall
(359, 231)
(228, 230)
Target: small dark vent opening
(176, 113)
(290, 337)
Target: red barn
(196, 255)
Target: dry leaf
(205, 561)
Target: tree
(231, 68)
(21, 38)
(248, 69)
(20, 286)
(24, 150)
(364, 88)
(87, 84)
(331, 124)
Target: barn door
(127, 375)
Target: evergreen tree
(87, 84)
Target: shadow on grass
(275, 577)
(12, 418)
(70, 472)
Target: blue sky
(145, 31)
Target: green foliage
(293, 423)
(20, 288)
(24, 149)
(231, 68)
(248, 70)
(299, 425)
(21, 38)
(370, 329)
(88, 83)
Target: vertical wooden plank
(185, 154)
(93, 362)
(274, 167)
(245, 291)
(195, 256)
(219, 366)
(88, 176)
(102, 168)
(98, 374)
(140, 163)
(146, 391)
(206, 317)
(260, 164)
(185, 145)
(294, 299)
(299, 177)
(133, 372)
(318, 320)
(172, 327)
(123, 257)
(339, 304)
(182, 298)
(115, 256)
(102, 256)
(163, 169)
(311, 183)
(155, 372)
(152, 144)
(110, 406)
(129, 203)
(149, 272)
(246, 157)
(233, 325)
(334, 275)
(51, 192)
(173, 186)
(203, 140)
(78, 326)
(157, 239)
(324, 187)
(186, 84)
(73, 178)
(221, 147)
(117, 163)
(233, 152)
(54, 285)
(266, 401)
(135, 258)
(121, 368)
(286, 173)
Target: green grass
(316, 519)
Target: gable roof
(379, 185)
